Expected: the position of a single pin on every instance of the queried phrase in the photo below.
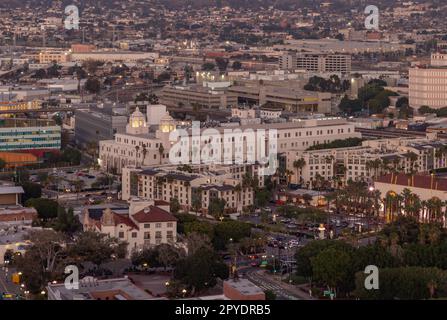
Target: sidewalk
(289, 287)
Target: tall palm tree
(298, 165)
(161, 150)
(238, 189)
(144, 152)
(137, 149)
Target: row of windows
(29, 133)
(147, 235)
(30, 146)
(12, 140)
(158, 225)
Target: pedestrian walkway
(292, 289)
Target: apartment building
(373, 158)
(313, 62)
(428, 84)
(53, 56)
(143, 224)
(204, 184)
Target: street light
(167, 283)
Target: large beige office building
(316, 62)
(286, 98)
(428, 84)
(204, 96)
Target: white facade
(154, 113)
(125, 56)
(137, 148)
(145, 225)
(428, 85)
(358, 161)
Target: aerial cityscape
(199, 150)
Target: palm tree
(385, 165)
(288, 175)
(298, 165)
(238, 190)
(79, 185)
(137, 148)
(340, 171)
(161, 150)
(144, 152)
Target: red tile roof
(417, 181)
(153, 214)
(124, 219)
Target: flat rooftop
(93, 289)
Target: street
(6, 285)
(283, 291)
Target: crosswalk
(268, 285)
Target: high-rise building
(428, 84)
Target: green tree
(406, 283)
(270, 295)
(200, 270)
(333, 267)
(216, 207)
(234, 230)
(304, 255)
(237, 65)
(32, 190)
(169, 255)
(174, 205)
(46, 208)
(147, 258)
(42, 261)
(93, 85)
(67, 222)
(97, 248)
(208, 66)
(201, 227)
